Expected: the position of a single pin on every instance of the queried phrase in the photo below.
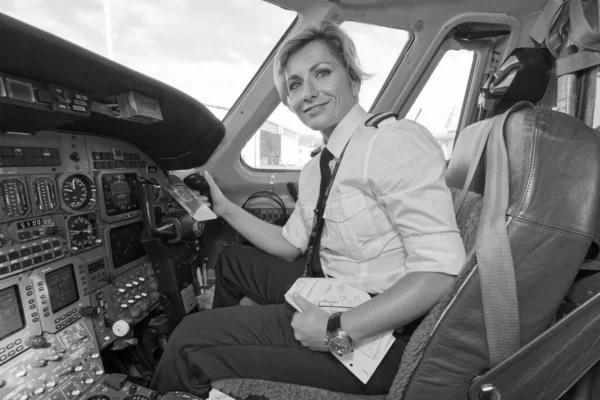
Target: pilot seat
(554, 194)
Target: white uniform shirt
(389, 211)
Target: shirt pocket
(308, 215)
(350, 227)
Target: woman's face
(320, 92)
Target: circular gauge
(44, 192)
(77, 192)
(82, 231)
(13, 198)
(99, 397)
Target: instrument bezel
(94, 193)
(119, 217)
(33, 326)
(68, 315)
(28, 214)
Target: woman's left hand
(310, 325)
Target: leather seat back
(554, 180)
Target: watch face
(340, 345)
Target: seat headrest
(545, 155)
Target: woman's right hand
(219, 201)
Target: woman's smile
(315, 109)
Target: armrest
(550, 364)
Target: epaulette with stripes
(376, 119)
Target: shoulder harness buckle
(376, 119)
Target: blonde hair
(338, 41)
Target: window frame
(481, 51)
(294, 24)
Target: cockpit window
(209, 50)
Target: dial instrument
(78, 192)
(44, 192)
(119, 193)
(82, 231)
(13, 198)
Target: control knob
(39, 390)
(36, 342)
(39, 363)
(121, 328)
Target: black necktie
(315, 263)
(326, 158)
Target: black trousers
(256, 342)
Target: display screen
(119, 192)
(11, 313)
(30, 224)
(62, 288)
(95, 267)
(125, 244)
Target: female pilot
(388, 228)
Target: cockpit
(111, 112)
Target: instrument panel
(71, 260)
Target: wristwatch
(338, 341)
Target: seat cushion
(256, 389)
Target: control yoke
(145, 191)
(175, 226)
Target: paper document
(333, 295)
(218, 395)
(190, 201)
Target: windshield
(209, 50)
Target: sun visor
(171, 127)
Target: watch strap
(334, 324)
